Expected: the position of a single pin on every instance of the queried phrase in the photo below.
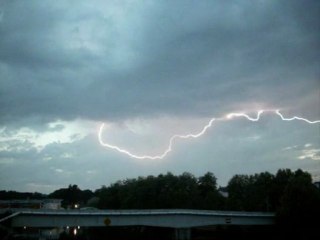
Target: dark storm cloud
(66, 60)
(31, 37)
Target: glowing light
(196, 135)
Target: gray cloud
(157, 58)
(227, 149)
(114, 61)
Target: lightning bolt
(197, 135)
(295, 118)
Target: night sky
(149, 70)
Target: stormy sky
(149, 70)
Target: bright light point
(75, 231)
(196, 135)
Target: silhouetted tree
(238, 192)
(279, 184)
(209, 197)
(163, 191)
(7, 195)
(72, 195)
(300, 202)
(250, 192)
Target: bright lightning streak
(231, 115)
(295, 118)
(169, 148)
(199, 134)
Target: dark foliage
(72, 195)
(300, 202)
(164, 191)
(291, 195)
(8, 195)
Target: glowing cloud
(197, 135)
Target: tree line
(291, 194)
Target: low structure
(182, 220)
(32, 203)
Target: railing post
(182, 234)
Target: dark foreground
(210, 233)
(153, 233)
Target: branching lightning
(199, 134)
